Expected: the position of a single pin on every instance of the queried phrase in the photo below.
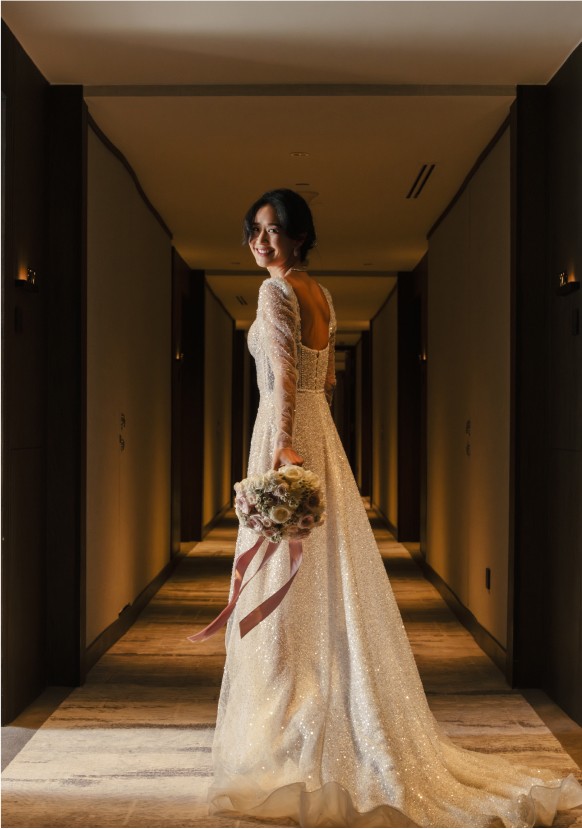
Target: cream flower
(279, 514)
(292, 472)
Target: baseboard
(494, 650)
(129, 615)
(393, 529)
(217, 518)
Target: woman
(322, 716)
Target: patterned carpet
(132, 746)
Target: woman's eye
(273, 230)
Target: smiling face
(271, 246)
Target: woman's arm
(279, 315)
(330, 379)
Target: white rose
(292, 472)
(279, 514)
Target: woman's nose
(262, 234)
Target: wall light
(26, 278)
(567, 283)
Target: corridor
(132, 746)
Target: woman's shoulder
(277, 290)
(328, 296)
(274, 285)
(277, 297)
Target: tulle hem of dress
(332, 805)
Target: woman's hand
(285, 455)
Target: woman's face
(269, 243)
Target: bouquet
(281, 504)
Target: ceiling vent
(421, 179)
(241, 300)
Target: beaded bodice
(312, 366)
(285, 366)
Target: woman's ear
(298, 243)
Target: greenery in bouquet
(283, 503)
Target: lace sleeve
(280, 321)
(330, 380)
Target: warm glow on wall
(26, 276)
(567, 282)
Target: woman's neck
(292, 269)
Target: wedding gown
(322, 717)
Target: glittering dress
(322, 717)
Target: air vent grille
(241, 299)
(419, 182)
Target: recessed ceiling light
(368, 263)
(301, 184)
(299, 155)
(235, 263)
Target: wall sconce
(27, 278)
(567, 284)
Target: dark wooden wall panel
(563, 571)
(66, 410)
(23, 379)
(422, 298)
(239, 346)
(24, 607)
(545, 636)
(179, 267)
(529, 537)
(412, 301)
(191, 296)
(366, 425)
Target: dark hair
(293, 213)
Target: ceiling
(296, 42)
(208, 101)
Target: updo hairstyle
(293, 213)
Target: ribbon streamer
(261, 612)
(266, 607)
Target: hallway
(81, 769)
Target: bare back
(314, 310)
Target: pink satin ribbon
(268, 605)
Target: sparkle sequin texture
(322, 716)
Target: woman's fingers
(286, 455)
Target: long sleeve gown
(322, 717)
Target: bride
(322, 717)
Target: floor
(132, 746)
